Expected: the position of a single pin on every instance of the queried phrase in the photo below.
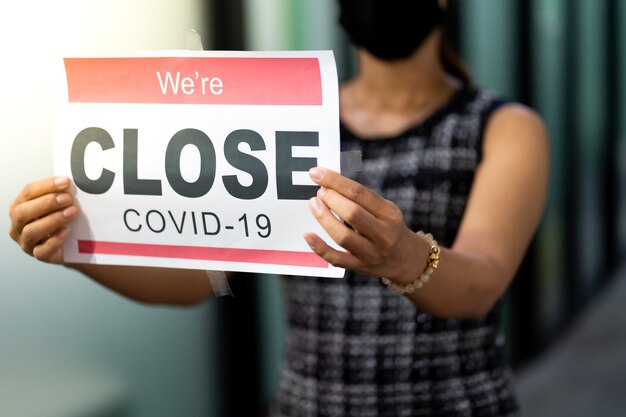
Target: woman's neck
(386, 97)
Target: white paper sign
(198, 159)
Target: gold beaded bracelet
(432, 264)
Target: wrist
(409, 282)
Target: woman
(440, 157)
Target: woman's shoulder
(513, 117)
(515, 127)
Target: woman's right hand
(39, 218)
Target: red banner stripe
(259, 256)
(194, 80)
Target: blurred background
(71, 348)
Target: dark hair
(452, 62)
(450, 59)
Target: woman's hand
(39, 218)
(376, 238)
(39, 224)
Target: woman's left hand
(375, 237)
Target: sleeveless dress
(356, 348)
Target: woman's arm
(151, 285)
(503, 212)
(39, 224)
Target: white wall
(57, 328)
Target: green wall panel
(589, 122)
(620, 54)
(488, 43)
(549, 45)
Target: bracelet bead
(432, 262)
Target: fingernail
(315, 204)
(61, 181)
(316, 173)
(63, 199)
(321, 192)
(70, 211)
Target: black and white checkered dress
(355, 348)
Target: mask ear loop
(217, 279)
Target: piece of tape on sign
(351, 161)
(193, 40)
(219, 283)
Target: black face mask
(389, 29)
